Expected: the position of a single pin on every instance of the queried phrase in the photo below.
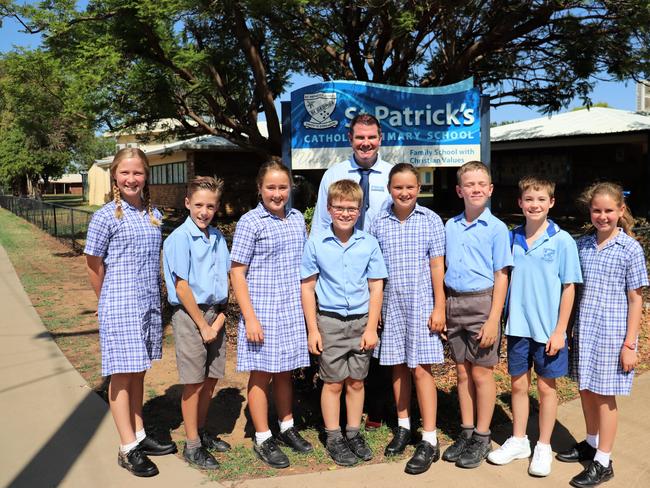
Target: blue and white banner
(430, 127)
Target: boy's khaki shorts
(342, 357)
(466, 314)
(195, 360)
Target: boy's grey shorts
(195, 360)
(342, 357)
(466, 314)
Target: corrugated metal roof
(195, 143)
(597, 120)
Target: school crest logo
(320, 106)
(549, 255)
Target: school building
(574, 149)
(174, 163)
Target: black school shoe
(340, 452)
(593, 475)
(292, 438)
(359, 447)
(269, 452)
(200, 457)
(137, 463)
(151, 447)
(425, 454)
(398, 443)
(577, 453)
(474, 454)
(213, 443)
(453, 452)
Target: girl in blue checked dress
(606, 327)
(123, 260)
(412, 240)
(272, 340)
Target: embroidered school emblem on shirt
(549, 255)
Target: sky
(621, 95)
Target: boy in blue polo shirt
(478, 257)
(344, 268)
(542, 289)
(196, 264)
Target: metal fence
(65, 223)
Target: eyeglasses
(349, 210)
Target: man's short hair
(344, 190)
(472, 166)
(537, 183)
(364, 119)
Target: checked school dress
(272, 249)
(408, 297)
(130, 323)
(601, 324)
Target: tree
(215, 65)
(42, 132)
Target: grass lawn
(55, 279)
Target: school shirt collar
(126, 204)
(388, 213)
(355, 167)
(519, 234)
(481, 219)
(193, 230)
(329, 235)
(620, 239)
(262, 212)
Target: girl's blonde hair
(121, 155)
(616, 193)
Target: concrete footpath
(58, 432)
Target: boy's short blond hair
(208, 183)
(472, 166)
(536, 183)
(344, 190)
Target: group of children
(414, 279)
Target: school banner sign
(432, 127)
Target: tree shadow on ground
(561, 439)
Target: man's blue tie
(363, 183)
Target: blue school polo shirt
(536, 281)
(343, 270)
(202, 261)
(475, 251)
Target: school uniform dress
(130, 323)
(272, 249)
(408, 296)
(601, 323)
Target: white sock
(592, 440)
(430, 437)
(262, 436)
(602, 457)
(140, 435)
(544, 447)
(520, 439)
(129, 447)
(404, 422)
(285, 424)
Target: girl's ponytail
(147, 204)
(119, 213)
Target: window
(168, 174)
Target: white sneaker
(513, 448)
(541, 463)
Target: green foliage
(215, 66)
(43, 132)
